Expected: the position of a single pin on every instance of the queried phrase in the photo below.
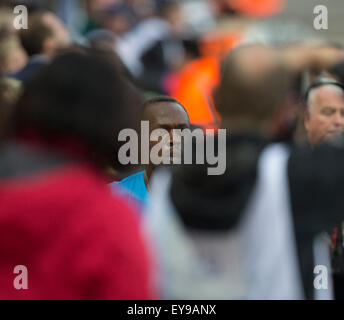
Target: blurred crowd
(88, 226)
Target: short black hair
(80, 95)
(159, 99)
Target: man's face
(324, 118)
(168, 116)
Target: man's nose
(339, 120)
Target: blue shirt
(134, 187)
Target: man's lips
(334, 132)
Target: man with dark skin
(161, 113)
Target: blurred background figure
(44, 37)
(249, 234)
(55, 205)
(45, 34)
(193, 51)
(12, 55)
(102, 39)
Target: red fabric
(258, 8)
(76, 239)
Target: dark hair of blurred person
(103, 41)
(115, 173)
(55, 204)
(60, 102)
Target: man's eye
(328, 111)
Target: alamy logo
(321, 278)
(321, 20)
(160, 146)
(20, 20)
(21, 280)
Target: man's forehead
(166, 112)
(331, 91)
(326, 94)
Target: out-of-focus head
(45, 34)
(165, 113)
(118, 19)
(143, 9)
(171, 11)
(12, 55)
(324, 115)
(82, 95)
(253, 86)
